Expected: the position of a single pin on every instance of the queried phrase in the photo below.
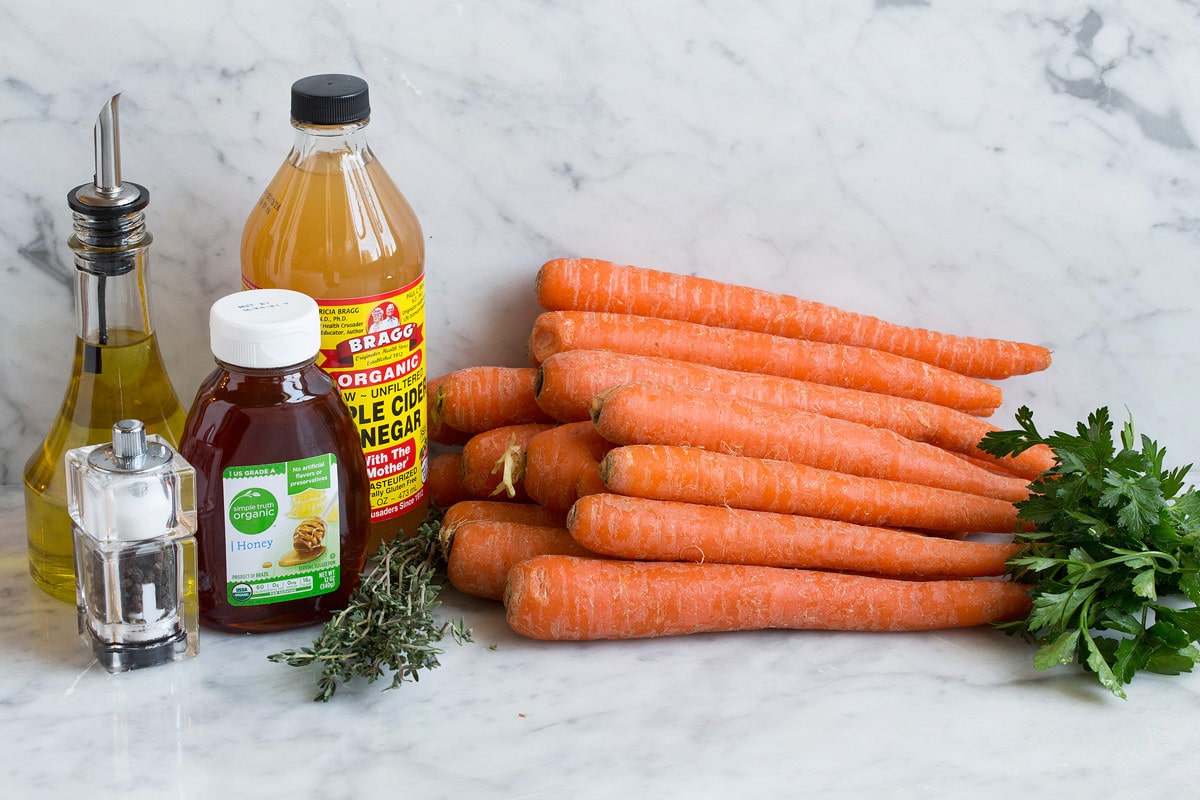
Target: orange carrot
(590, 482)
(650, 413)
(483, 551)
(663, 530)
(993, 466)
(831, 364)
(501, 511)
(494, 461)
(567, 598)
(477, 399)
(558, 459)
(439, 431)
(834, 365)
(444, 484)
(477, 510)
(568, 381)
(691, 475)
(593, 285)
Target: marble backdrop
(1018, 169)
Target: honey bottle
(281, 484)
(118, 371)
(333, 225)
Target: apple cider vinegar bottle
(331, 224)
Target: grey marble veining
(1024, 170)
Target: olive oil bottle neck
(111, 260)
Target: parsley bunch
(388, 624)
(1115, 533)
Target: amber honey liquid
(132, 383)
(252, 417)
(333, 225)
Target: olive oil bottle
(118, 372)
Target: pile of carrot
(686, 455)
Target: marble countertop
(1028, 170)
(771, 714)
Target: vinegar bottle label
(374, 348)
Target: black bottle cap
(330, 99)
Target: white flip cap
(265, 328)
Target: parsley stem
(1131, 556)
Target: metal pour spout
(107, 193)
(107, 178)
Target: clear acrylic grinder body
(133, 513)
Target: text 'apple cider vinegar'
(333, 225)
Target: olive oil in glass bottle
(118, 372)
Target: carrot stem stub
(568, 598)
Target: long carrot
(477, 399)
(483, 551)
(568, 381)
(662, 530)
(558, 459)
(692, 475)
(595, 285)
(568, 598)
(650, 413)
(832, 364)
(494, 461)
(444, 484)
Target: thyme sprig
(388, 625)
(1115, 532)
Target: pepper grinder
(133, 512)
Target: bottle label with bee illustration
(281, 530)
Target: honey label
(374, 347)
(282, 532)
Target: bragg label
(374, 347)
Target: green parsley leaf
(1143, 585)
(1117, 533)
(1058, 652)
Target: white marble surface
(1019, 169)
(949, 714)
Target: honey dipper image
(306, 542)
